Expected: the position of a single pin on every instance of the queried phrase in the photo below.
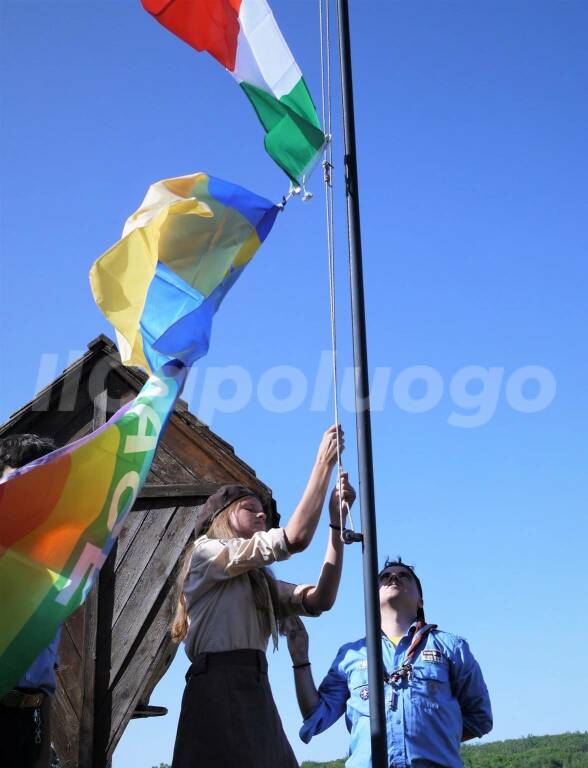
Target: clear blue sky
(472, 129)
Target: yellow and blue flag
(181, 251)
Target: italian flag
(244, 37)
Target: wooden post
(90, 657)
(102, 692)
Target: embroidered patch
(364, 693)
(363, 664)
(431, 655)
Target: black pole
(362, 407)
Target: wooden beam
(155, 498)
(86, 742)
(179, 490)
(102, 693)
(137, 556)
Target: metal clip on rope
(37, 725)
(351, 537)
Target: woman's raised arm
(301, 526)
(322, 596)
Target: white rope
(326, 100)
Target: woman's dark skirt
(229, 718)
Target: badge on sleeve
(364, 694)
(432, 655)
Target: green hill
(567, 750)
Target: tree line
(566, 750)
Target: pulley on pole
(362, 407)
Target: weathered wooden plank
(168, 469)
(153, 477)
(178, 490)
(75, 627)
(127, 535)
(154, 497)
(86, 739)
(64, 426)
(207, 455)
(77, 409)
(59, 402)
(100, 409)
(69, 672)
(59, 425)
(137, 556)
(142, 663)
(148, 588)
(64, 729)
(164, 658)
(85, 429)
(102, 723)
(195, 453)
(155, 506)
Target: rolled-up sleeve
(219, 559)
(333, 694)
(470, 690)
(291, 598)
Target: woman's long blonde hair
(262, 580)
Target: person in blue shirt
(25, 736)
(434, 690)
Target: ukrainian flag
(180, 252)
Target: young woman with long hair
(230, 605)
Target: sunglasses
(388, 577)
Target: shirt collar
(410, 632)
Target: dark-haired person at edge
(231, 605)
(25, 721)
(434, 690)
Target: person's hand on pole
(344, 492)
(322, 596)
(301, 526)
(327, 452)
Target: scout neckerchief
(404, 671)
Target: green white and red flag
(244, 37)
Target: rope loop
(327, 168)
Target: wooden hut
(115, 648)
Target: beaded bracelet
(299, 666)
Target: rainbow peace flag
(244, 37)
(180, 253)
(60, 515)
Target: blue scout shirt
(41, 674)
(425, 715)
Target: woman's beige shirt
(221, 606)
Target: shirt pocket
(430, 682)
(433, 715)
(359, 691)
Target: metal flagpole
(363, 420)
